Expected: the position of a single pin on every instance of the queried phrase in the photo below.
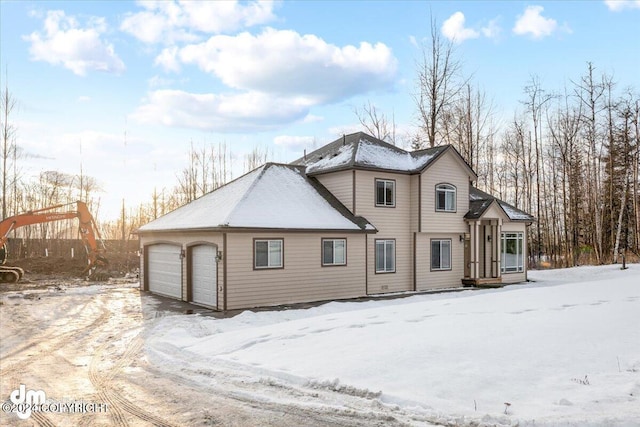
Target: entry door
(164, 267)
(204, 275)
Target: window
(441, 254)
(445, 198)
(268, 253)
(385, 192)
(385, 256)
(512, 257)
(334, 251)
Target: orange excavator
(88, 232)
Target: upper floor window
(334, 252)
(445, 198)
(385, 192)
(268, 253)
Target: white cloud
(251, 111)
(171, 21)
(84, 98)
(64, 42)
(311, 118)
(492, 30)
(532, 23)
(453, 29)
(294, 143)
(285, 63)
(157, 81)
(168, 59)
(618, 5)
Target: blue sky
(278, 75)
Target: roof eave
(258, 229)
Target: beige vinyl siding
(392, 223)
(340, 184)
(414, 192)
(427, 279)
(516, 277)
(185, 239)
(303, 278)
(447, 169)
(495, 211)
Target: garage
(164, 267)
(204, 275)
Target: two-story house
(356, 217)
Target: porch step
(484, 282)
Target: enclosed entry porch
(483, 252)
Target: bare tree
(467, 126)
(9, 149)
(257, 157)
(590, 93)
(376, 123)
(439, 83)
(536, 100)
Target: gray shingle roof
(479, 202)
(362, 151)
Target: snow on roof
(210, 210)
(384, 157)
(513, 213)
(341, 158)
(474, 196)
(272, 196)
(364, 151)
(284, 198)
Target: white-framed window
(385, 192)
(445, 198)
(441, 254)
(512, 253)
(334, 252)
(385, 256)
(268, 253)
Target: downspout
(415, 279)
(420, 203)
(224, 273)
(353, 192)
(366, 264)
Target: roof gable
(451, 150)
(481, 202)
(273, 196)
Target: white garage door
(164, 270)
(203, 275)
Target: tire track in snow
(103, 382)
(51, 342)
(42, 419)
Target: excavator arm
(87, 228)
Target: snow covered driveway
(84, 344)
(562, 350)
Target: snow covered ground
(563, 350)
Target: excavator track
(10, 274)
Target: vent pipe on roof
(344, 139)
(305, 155)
